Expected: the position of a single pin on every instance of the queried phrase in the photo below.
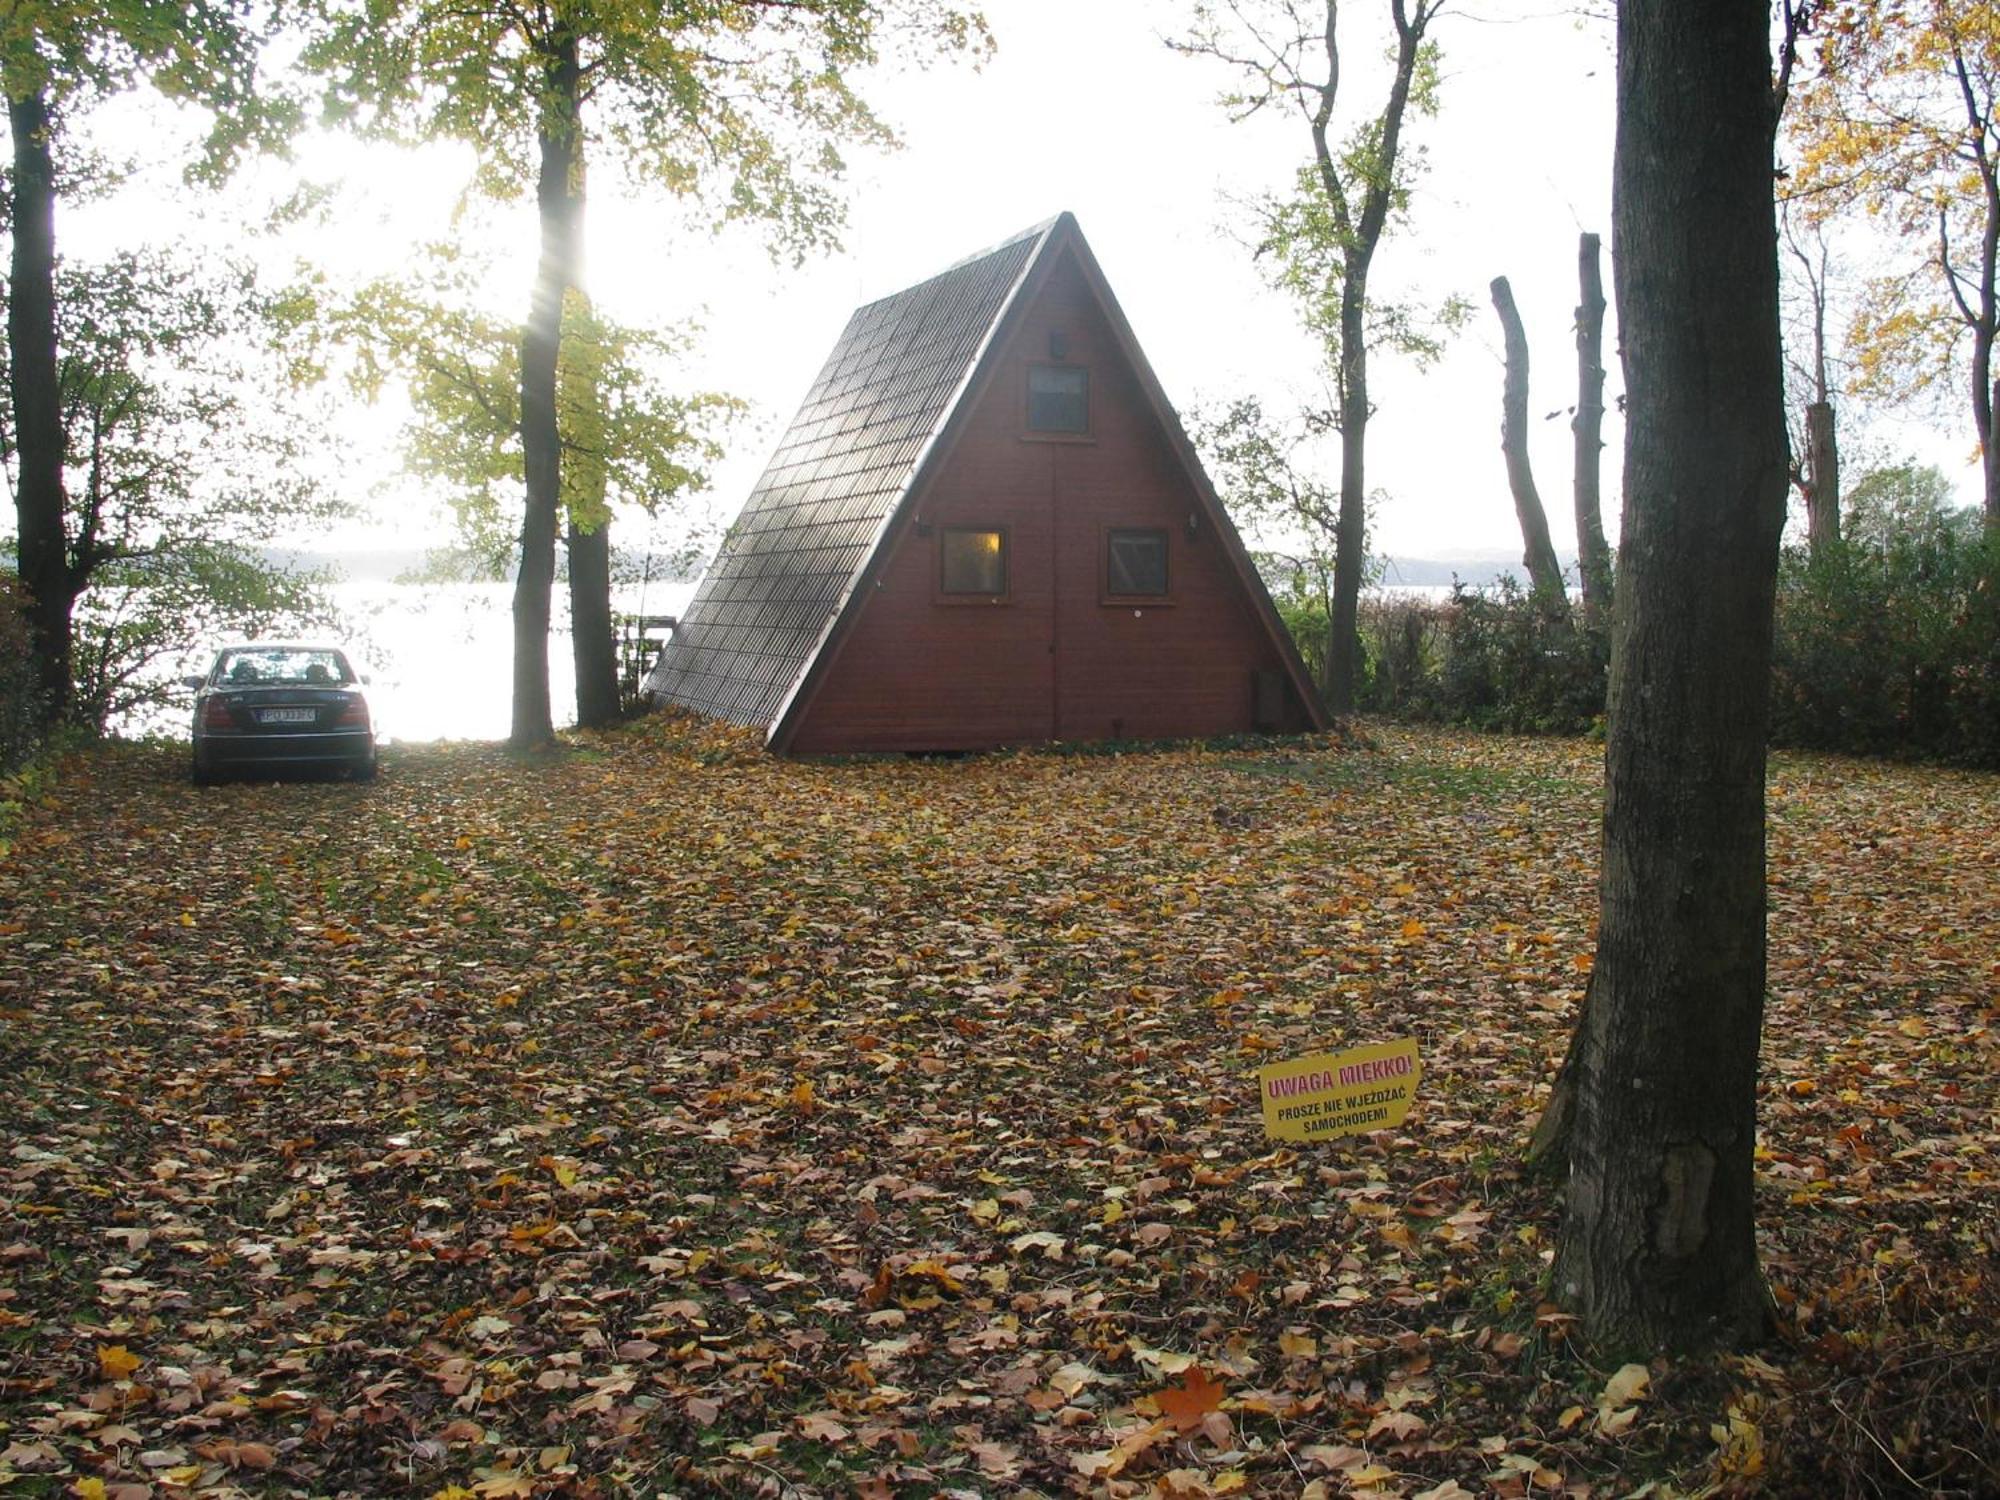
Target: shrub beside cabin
(985, 527)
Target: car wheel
(201, 773)
(365, 770)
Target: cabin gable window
(972, 563)
(1135, 563)
(1059, 399)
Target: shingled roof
(853, 451)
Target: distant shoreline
(397, 564)
(1476, 570)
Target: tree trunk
(1657, 1247)
(591, 636)
(42, 541)
(1593, 556)
(1822, 480)
(1343, 638)
(556, 184)
(1548, 1145)
(1985, 323)
(1539, 553)
(1989, 454)
(1818, 476)
(1360, 234)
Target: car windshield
(283, 665)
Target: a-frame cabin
(986, 527)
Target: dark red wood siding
(913, 671)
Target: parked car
(265, 705)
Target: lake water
(442, 655)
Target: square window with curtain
(1058, 398)
(1135, 562)
(973, 561)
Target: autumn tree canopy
(742, 108)
(57, 63)
(1901, 123)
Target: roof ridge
(1033, 232)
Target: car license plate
(286, 715)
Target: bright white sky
(1084, 108)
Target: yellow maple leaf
(1625, 1386)
(117, 1362)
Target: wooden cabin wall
(1054, 661)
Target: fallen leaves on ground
(664, 1118)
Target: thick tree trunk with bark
(1538, 552)
(592, 640)
(1657, 1247)
(1817, 471)
(556, 198)
(1593, 555)
(1822, 478)
(39, 504)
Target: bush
(1889, 643)
(1885, 643)
(1305, 620)
(1498, 660)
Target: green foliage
(736, 106)
(1319, 243)
(184, 452)
(626, 439)
(1357, 186)
(1303, 602)
(143, 613)
(1306, 247)
(205, 52)
(1893, 505)
(1888, 643)
(1265, 475)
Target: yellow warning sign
(1339, 1093)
